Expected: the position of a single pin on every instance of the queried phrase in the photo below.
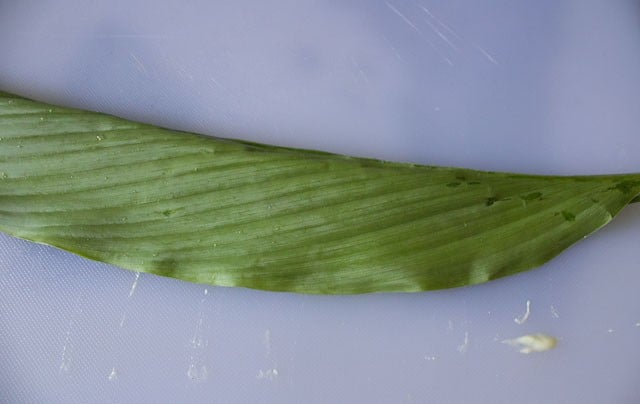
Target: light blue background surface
(537, 87)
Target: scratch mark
(198, 340)
(522, 319)
(464, 347)
(66, 351)
(272, 372)
(455, 35)
(184, 74)
(449, 326)
(420, 33)
(442, 36)
(442, 24)
(554, 312)
(394, 49)
(132, 290)
(404, 18)
(31, 34)
(67, 347)
(126, 36)
(267, 342)
(134, 285)
(138, 63)
(398, 56)
(198, 370)
(487, 55)
(360, 71)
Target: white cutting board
(537, 87)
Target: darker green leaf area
(568, 216)
(490, 200)
(531, 196)
(233, 213)
(627, 186)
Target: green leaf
(234, 213)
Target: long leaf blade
(233, 213)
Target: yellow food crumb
(527, 344)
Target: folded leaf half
(233, 213)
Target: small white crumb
(430, 358)
(113, 375)
(197, 373)
(269, 374)
(527, 344)
(522, 319)
(610, 330)
(554, 312)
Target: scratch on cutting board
(67, 347)
(522, 319)
(419, 32)
(487, 55)
(267, 342)
(198, 370)
(438, 32)
(198, 339)
(464, 347)
(361, 72)
(65, 361)
(403, 17)
(138, 63)
(454, 36)
(449, 325)
(272, 372)
(132, 290)
(134, 285)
